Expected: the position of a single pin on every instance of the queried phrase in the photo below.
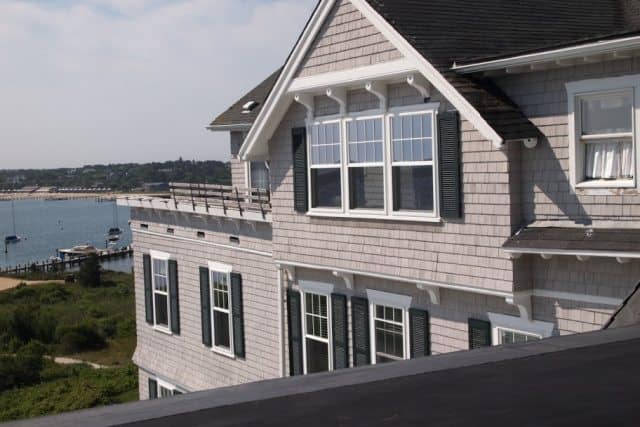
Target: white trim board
(204, 242)
(278, 102)
(571, 252)
(570, 296)
(316, 287)
(389, 299)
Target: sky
(119, 81)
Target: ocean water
(46, 226)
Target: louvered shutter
(479, 333)
(300, 190)
(360, 331)
(177, 392)
(174, 296)
(449, 164)
(295, 333)
(205, 306)
(153, 389)
(419, 332)
(238, 316)
(148, 293)
(340, 334)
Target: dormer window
(249, 107)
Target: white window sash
(404, 324)
(317, 290)
(162, 257)
(229, 312)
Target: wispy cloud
(86, 81)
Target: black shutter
(148, 293)
(479, 333)
(449, 164)
(295, 333)
(173, 296)
(153, 389)
(360, 329)
(238, 317)
(205, 306)
(177, 392)
(419, 330)
(300, 194)
(340, 334)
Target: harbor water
(46, 226)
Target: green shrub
(78, 338)
(54, 295)
(90, 272)
(24, 292)
(22, 322)
(22, 369)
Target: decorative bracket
(433, 291)
(421, 84)
(523, 302)
(514, 255)
(528, 142)
(340, 96)
(622, 260)
(583, 258)
(379, 89)
(347, 277)
(546, 256)
(307, 101)
(289, 271)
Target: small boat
(12, 239)
(114, 231)
(113, 238)
(80, 250)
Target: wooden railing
(221, 196)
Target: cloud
(131, 80)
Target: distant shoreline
(64, 196)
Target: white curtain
(609, 160)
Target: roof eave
(230, 127)
(554, 55)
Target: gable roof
(236, 115)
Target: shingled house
(418, 178)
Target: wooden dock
(62, 265)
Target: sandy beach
(9, 283)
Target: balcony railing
(216, 197)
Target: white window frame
(224, 269)
(594, 87)
(518, 325)
(167, 386)
(402, 302)
(388, 212)
(162, 257)
(247, 174)
(325, 290)
(340, 166)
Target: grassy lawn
(93, 324)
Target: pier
(61, 265)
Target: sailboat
(13, 238)
(113, 235)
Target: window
(221, 311)
(603, 128)
(316, 333)
(375, 165)
(509, 336)
(366, 168)
(160, 292)
(162, 390)
(412, 150)
(258, 176)
(325, 164)
(389, 333)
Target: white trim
(220, 268)
(352, 77)
(518, 324)
(230, 352)
(315, 287)
(162, 256)
(569, 296)
(166, 385)
(278, 102)
(204, 242)
(580, 51)
(389, 299)
(570, 252)
(433, 283)
(580, 89)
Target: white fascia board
(352, 76)
(569, 252)
(280, 99)
(580, 51)
(277, 103)
(230, 128)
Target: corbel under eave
(347, 277)
(289, 271)
(433, 291)
(522, 300)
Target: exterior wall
(546, 192)
(463, 252)
(238, 167)
(183, 360)
(143, 385)
(347, 40)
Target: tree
(89, 274)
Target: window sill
(382, 217)
(224, 353)
(623, 183)
(163, 330)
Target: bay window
(160, 292)
(325, 156)
(375, 165)
(603, 127)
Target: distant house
(420, 177)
